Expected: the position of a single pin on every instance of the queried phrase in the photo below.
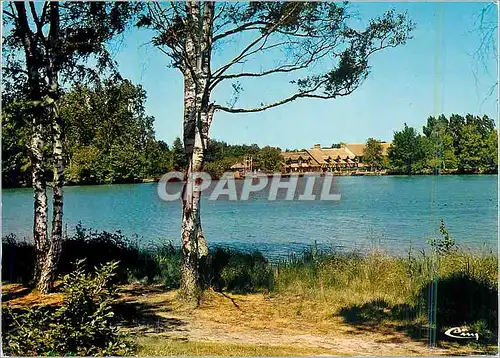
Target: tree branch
(9, 14)
(264, 37)
(345, 90)
(244, 27)
(297, 65)
(271, 105)
(39, 25)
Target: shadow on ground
(461, 301)
(145, 317)
(14, 293)
(380, 317)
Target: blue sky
(436, 72)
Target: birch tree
(297, 35)
(44, 42)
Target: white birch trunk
(53, 251)
(36, 148)
(196, 97)
(40, 208)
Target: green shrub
(18, 258)
(81, 326)
(484, 331)
(157, 264)
(239, 272)
(167, 261)
(445, 244)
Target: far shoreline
(284, 175)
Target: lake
(388, 211)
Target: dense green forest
(463, 144)
(109, 138)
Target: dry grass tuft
(158, 346)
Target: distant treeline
(457, 144)
(110, 139)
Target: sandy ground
(255, 319)
(262, 320)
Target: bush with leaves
(238, 272)
(81, 326)
(444, 244)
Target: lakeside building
(349, 157)
(244, 168)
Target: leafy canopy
(315, 43)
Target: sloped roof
(385, 148)
(358, 148)
(321, 155)
(295, 155)
(238, 166)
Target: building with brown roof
(358, 148)
(349, 157)
(299, 162)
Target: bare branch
(264, 37)
(319, 52)
(345, 90)
(239, 29)
(220, 12)
(9, 14)
(39, 25)
(44, 12)
(271, 105)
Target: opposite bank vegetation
(362, 287)
(112, 140)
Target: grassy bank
(159, 346)
(367, 291)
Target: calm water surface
(390, 211)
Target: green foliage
(218, 150)
(180, 161)
(18, 258)
(475, 143)
(297, 29)
(346, 281)
(166, 261)
(84, 29)
(147, 264)
(470, 148)
(373, 287)
(269, 159)
(484, 330)
(85, 166)
(228, 269)
(218, 167)
(445, 244)
(466, 144)
(156, 158)
(15, 140)
(439, 144)
(220, 156)
(81, 326)
(239, 272)
(407, 152)
(108, 137)
(54, 45)
(372, 154)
